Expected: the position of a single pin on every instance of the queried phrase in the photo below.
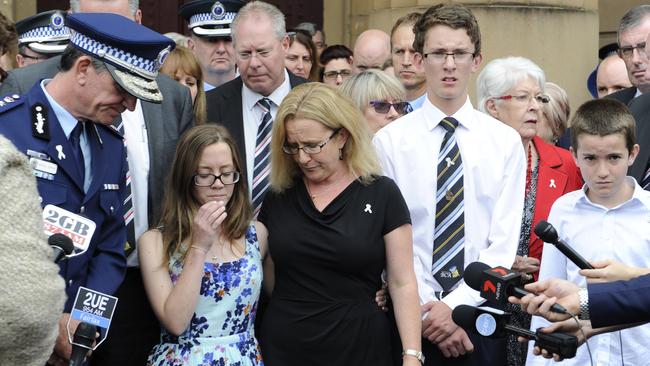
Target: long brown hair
(182, 59)
(180, 204)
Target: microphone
(493, 323)
(548, 234)
(61, 246)
(82, 342)
(496, 284)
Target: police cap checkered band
(203, 19)
(210, 17)
(43, 27)
(44, 34)
(135, 64)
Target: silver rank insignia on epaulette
(9, 99)
(40, 124)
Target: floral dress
(221, 331)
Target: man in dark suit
(633, 32)
(155, 129)
(64, 125)
(260, 43)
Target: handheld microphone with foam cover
(549, 235)
(493, 323)
(82, 342)
(496, 284)
(61, 246)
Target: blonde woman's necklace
(327, 190)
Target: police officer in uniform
(210, 41)
(64, 126)
(41, 36)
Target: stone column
(18, 9)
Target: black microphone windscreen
(61, 241)
(85, 334)
(474, 275)
(464, 316)
(546, 232)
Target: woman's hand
(207, 224)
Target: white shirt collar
(639, 195)
(66, 120)
(250, 98)
(433, 115)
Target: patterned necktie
(75, 141)
(449, 234)
(129, 213)
(262, 166)
(645, 183)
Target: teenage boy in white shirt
(491, 187)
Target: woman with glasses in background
(336, 64)
(511, 90)
(301, 56)
(334, 224)
(202, 266)
(378, 95)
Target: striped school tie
(129, 213)
(645, 183)
(262, 166)
(449, 234)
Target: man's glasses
(206, 180)
(439, 57)
(383, 107)
(332, 75)
(36, 58)
(525, 98)
(628, 51)
(308, 149)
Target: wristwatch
(417, 354)
(583, 295)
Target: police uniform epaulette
(10, 102)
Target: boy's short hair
(603, 117)
(455, 16)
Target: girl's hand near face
(207, 224)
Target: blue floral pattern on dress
(221, 331)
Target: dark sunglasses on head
(383, 107)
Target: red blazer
(557, 175)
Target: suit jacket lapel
(233, 111)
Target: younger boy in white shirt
(609, 218)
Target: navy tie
(262, 166)
(75, 141)
(449, 233)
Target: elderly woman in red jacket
(511, 90)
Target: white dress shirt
(253, 118)
(621, 233)
(494, 176)
(137, 149)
